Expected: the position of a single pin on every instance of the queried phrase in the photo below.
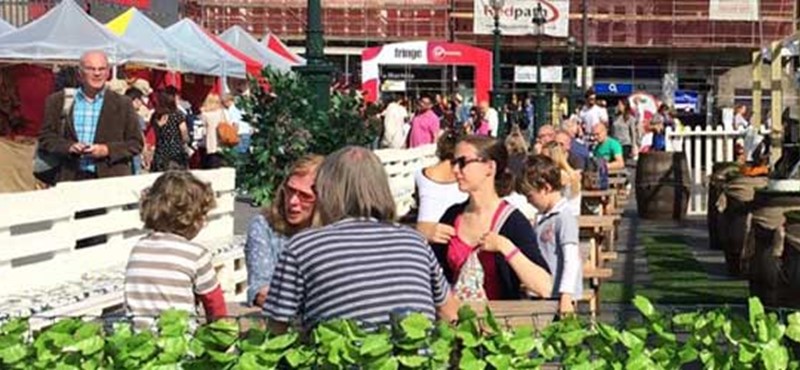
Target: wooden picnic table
(601, 228)
(606, 198)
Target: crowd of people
(104, 128)
(495, 220)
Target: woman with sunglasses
(508, 257)
(291, 212)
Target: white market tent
(193, 35)
(5, 27)
(246, 43)
(64, 33)
(136, 28)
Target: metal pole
(539, 94)
(317, 70)
(497, 97)
(584, 46)
(571, 93)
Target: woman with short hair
(360, 264)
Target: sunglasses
(462, 162)
(301, 195)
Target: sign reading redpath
(517, 15)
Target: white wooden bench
(44, 274)
(400, 166)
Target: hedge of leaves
(715, 339)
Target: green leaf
(416, 326)
(281, 342)
(573, 338)
(685, 319)
(499, 361)
(630, 340)
(221, 357)
(793, 330)
(299, 357)
(747, 353)
(522, 345)
(376, 346)
(466, 313)
(756, 310)
(470, 362)
(89, 345)
(644, 306)
(775, 356)
(88, 330)
(491, 321)
(13, 354)
(389, 363)
(687, 354)
(412, 361)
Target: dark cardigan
(518, 230)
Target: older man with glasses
(93, 132)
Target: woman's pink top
(458, 251)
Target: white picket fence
(42, 269)
(703, 147)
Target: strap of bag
(502, 216)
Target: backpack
(469, 284)
(595, 174)
(45, 163)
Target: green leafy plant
(286, 127)
(712, 339)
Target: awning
(195, 36)
(135, 27)
(244, 42)
(276, 45)
(64, 33)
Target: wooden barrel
(662, 185)
(720, 173)
(735, 203)
(762, 258)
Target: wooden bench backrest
(38, 230)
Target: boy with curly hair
(165, 269)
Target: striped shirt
(167, 271)
(85, 115)
(359, 269)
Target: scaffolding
(358, 21)
(649, 24)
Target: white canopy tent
(136, 28)
(193, 35)
(246, 43)
(64, 33)
(5, 27)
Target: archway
(425, 53)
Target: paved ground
(242, 213)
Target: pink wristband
(511, 255)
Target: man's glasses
(462, 162)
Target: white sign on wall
(733, 10)
(516, 17)
(527, 74)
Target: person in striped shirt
(359, 265)
(165, 269)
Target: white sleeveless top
(435, 197)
